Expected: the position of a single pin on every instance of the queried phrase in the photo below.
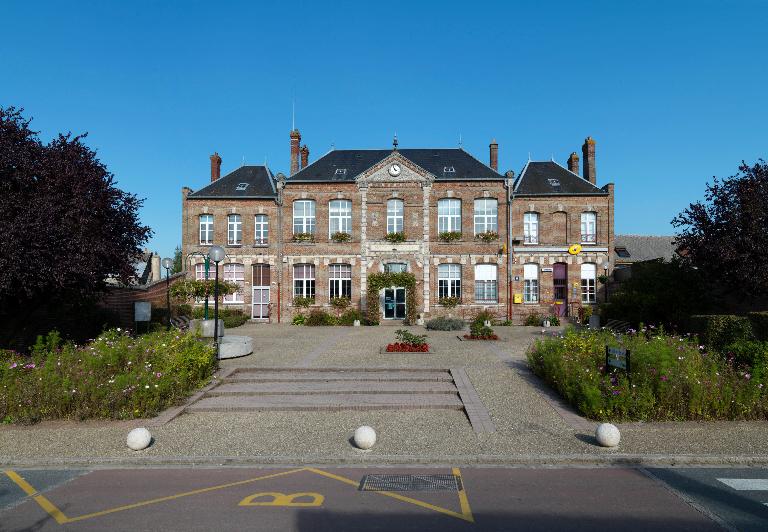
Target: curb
(612, 460)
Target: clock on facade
(394, 170)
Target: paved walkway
(530, 425)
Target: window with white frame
(486, 215)
(449, 280)
(531, 283)
(394, 216)
(304, 217)
(206, 229)
(200, 276)
(340, 280)
(531, 228)
(588, 276)
(395, 267)
(304, 280)
(486, 285)
(339, 217)
(589, 227)
(261, 235)
(234, 230)
(235, 273)
(449, 215)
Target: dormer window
(554, 182)
(341, 171)
(242, 186)
(449, 170)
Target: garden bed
(673, 378)
(430, 350)
(116, 376)
(470, 338)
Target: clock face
(394, 170)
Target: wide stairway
(331, 389)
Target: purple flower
(664, 378)
(13, 365)
(31, 365)
(616, 392)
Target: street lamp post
(216, 254)
(605, 269)
(168, 264)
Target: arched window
(531, 283)
(339, 217)
(588, 227)
(588, 276)
(449, 280)
(531, 228)
(304, 217)
(235, 273)
(449, 215)
(340, 281)
(261, 235)
(304, 280)
(486, 285)
(395, 216)
(206, 229)
(486, 215)
(234, 230)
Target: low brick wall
(121, 299)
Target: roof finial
(529, 156)
(333, 146)
(394, 142)
(293, 114)
(460, 143)
(243, 163)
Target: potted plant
(303, 237)
(395, 238)
(449, 236)
(341, 236)
(488, 236)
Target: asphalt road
(320, 499)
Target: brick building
(322, 231)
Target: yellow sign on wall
(575, 249)
(518, 298)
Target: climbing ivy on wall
(378, 281)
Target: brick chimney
(573, 163)
(304, 156)
(215, 167)
(295, 141)
(588, 151)
(494, 155)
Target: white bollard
(139, 439)
(365, 437)
(607, 435)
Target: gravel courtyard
(530, 427)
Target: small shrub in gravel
(532, 320)
(319, 317)
(673, 378)
(445, 324)
(116, 376)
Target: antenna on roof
(529, 156)
(552, 156)
(293, 114)
(460, 143)
(243, 163)
(333, 146)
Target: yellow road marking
(463, 500)
(283, 499)
(41, 500)
(466, 514)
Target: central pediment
(395, 169)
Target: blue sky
(673, 92)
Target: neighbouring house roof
(244, 182)
(638, 248)
(547, 178)
(446, 164)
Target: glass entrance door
(394, 303)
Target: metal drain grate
(410, 483)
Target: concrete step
(327, 402)
(328, 376)
(331, 387)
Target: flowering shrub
(408, 343)
(673, 378)
(479, 331)
(115, 376)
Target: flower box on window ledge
(395, 238)
(260, 243)
(488, 236)
(449, 236)
(304, 237)
(341, 236)
(449, 302)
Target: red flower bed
(399, 347)
(490, 337)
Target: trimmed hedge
(720, 330)
(759, 321)
(445, 324)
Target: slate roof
(437, 161)
(259, 181)
(643, 247)
(543, 178)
